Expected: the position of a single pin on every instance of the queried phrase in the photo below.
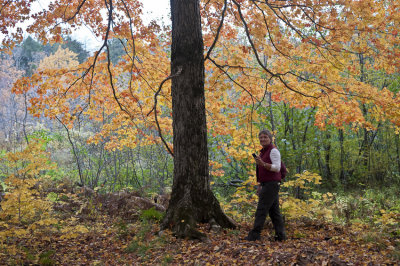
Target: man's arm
(275, 156)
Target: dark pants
(268, 202)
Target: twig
(155, 107)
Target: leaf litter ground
(308, 243)
(114, 240)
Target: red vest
(264, 175)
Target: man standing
(269, 178)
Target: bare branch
(232, 79)
(78, 9)
(74, 150)
(155, 106)
(250, 40)
(218, 31)
(269, 33)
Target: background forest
(70, 156)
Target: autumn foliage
(322, 75)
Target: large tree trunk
(192, 200)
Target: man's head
(265, 137)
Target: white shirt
(276, 160)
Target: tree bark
(342, 176)
(327, 147)
(192, 200)
(397, 140)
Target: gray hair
(266, 132)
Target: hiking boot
(252, 237)
(280, 238)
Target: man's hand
(259, 161)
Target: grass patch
(151, 214)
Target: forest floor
(111, 240)
(308, 243)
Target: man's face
(264, 140)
